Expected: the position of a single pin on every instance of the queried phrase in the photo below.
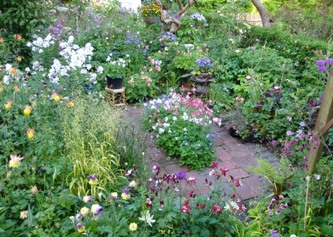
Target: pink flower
(238, 182)
(186, 208)
(192, 180)
(214, 165)
(224, 171)
(216, 209)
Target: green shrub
(300, 48)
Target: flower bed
(181, 125)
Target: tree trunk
(263, 12)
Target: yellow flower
(15, 161)
(19, 59)
(84, 211)
(125, 196)
(34, 190)
(27, 110)
(13, 71)
(30, 133)
(80, 228)
(70, 104)
(93, 181)
(8, 105)
(1, 40)
(133, 227)
(24, 214)
(55, 97)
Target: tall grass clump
(89, 132)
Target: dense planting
(71, 165)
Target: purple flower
(273, 142)
(93, 176)
(254, 48)
(204, 63)
(126, 190)
(320, 63)
(329, 61)
(322, 69)
(181, 175)
(274, 233)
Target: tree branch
(180, 4)
(188, 5)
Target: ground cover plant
(71, 165)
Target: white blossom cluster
(39, 44)
(73, 58)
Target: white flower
(70, 39)
(293, 235)
(317, 176)
(161, 130)
(185, 116)
(174, 118)
(185, 129)
(8, 67)
(146, 217)
(307, 178)
(88, 66)
(6, 79)
(133, 184)
(100, 69)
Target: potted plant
(150, 12)
(202, 70)
(114, 72)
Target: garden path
(232, 154)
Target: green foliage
(24, 18)
(300, 48)
(189, 142)
(311, 17)
(89, 136)
(299, 200)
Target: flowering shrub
(181, 125)
(143, 85)
(150, 10)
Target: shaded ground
(232, 154)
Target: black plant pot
(114, 83)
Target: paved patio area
(231, 154)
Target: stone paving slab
(231, 154)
